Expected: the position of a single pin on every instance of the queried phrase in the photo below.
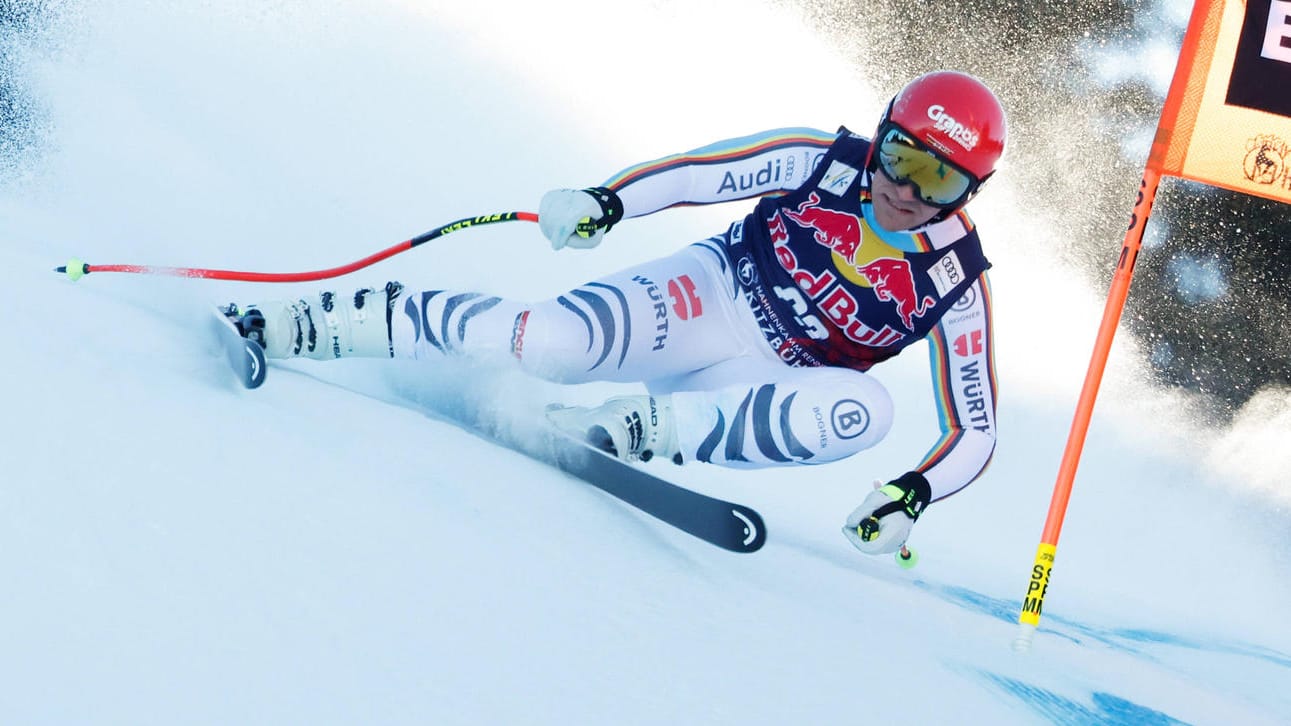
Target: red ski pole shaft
(75, 269)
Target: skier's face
(895, 206)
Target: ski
(244, 356)
(728, 525)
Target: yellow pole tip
(75, 269)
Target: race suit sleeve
(963, 377)
(763, 164)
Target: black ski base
(725, 524)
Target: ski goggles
(903, 159)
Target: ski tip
(256, 365)
(245, 357)
(755, 530)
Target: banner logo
(1266, 161)
(1277, 33)
(1262, 68)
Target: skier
(753, 344)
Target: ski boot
(628, 427)
(323, 327)
(250, 323)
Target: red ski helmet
(951, 117)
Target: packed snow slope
(328, 550)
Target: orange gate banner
(1227, 118)
(1227, 123)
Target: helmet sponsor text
(947, 124)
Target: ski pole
(75, 269)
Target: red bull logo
(893, 281)
(839, 231)
(826, 292)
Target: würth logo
(685, 300)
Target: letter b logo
(850, 419)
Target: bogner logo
(850, 419)
(947, 124)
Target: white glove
(883, 521)
(578, 217)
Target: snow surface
(326, 550)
